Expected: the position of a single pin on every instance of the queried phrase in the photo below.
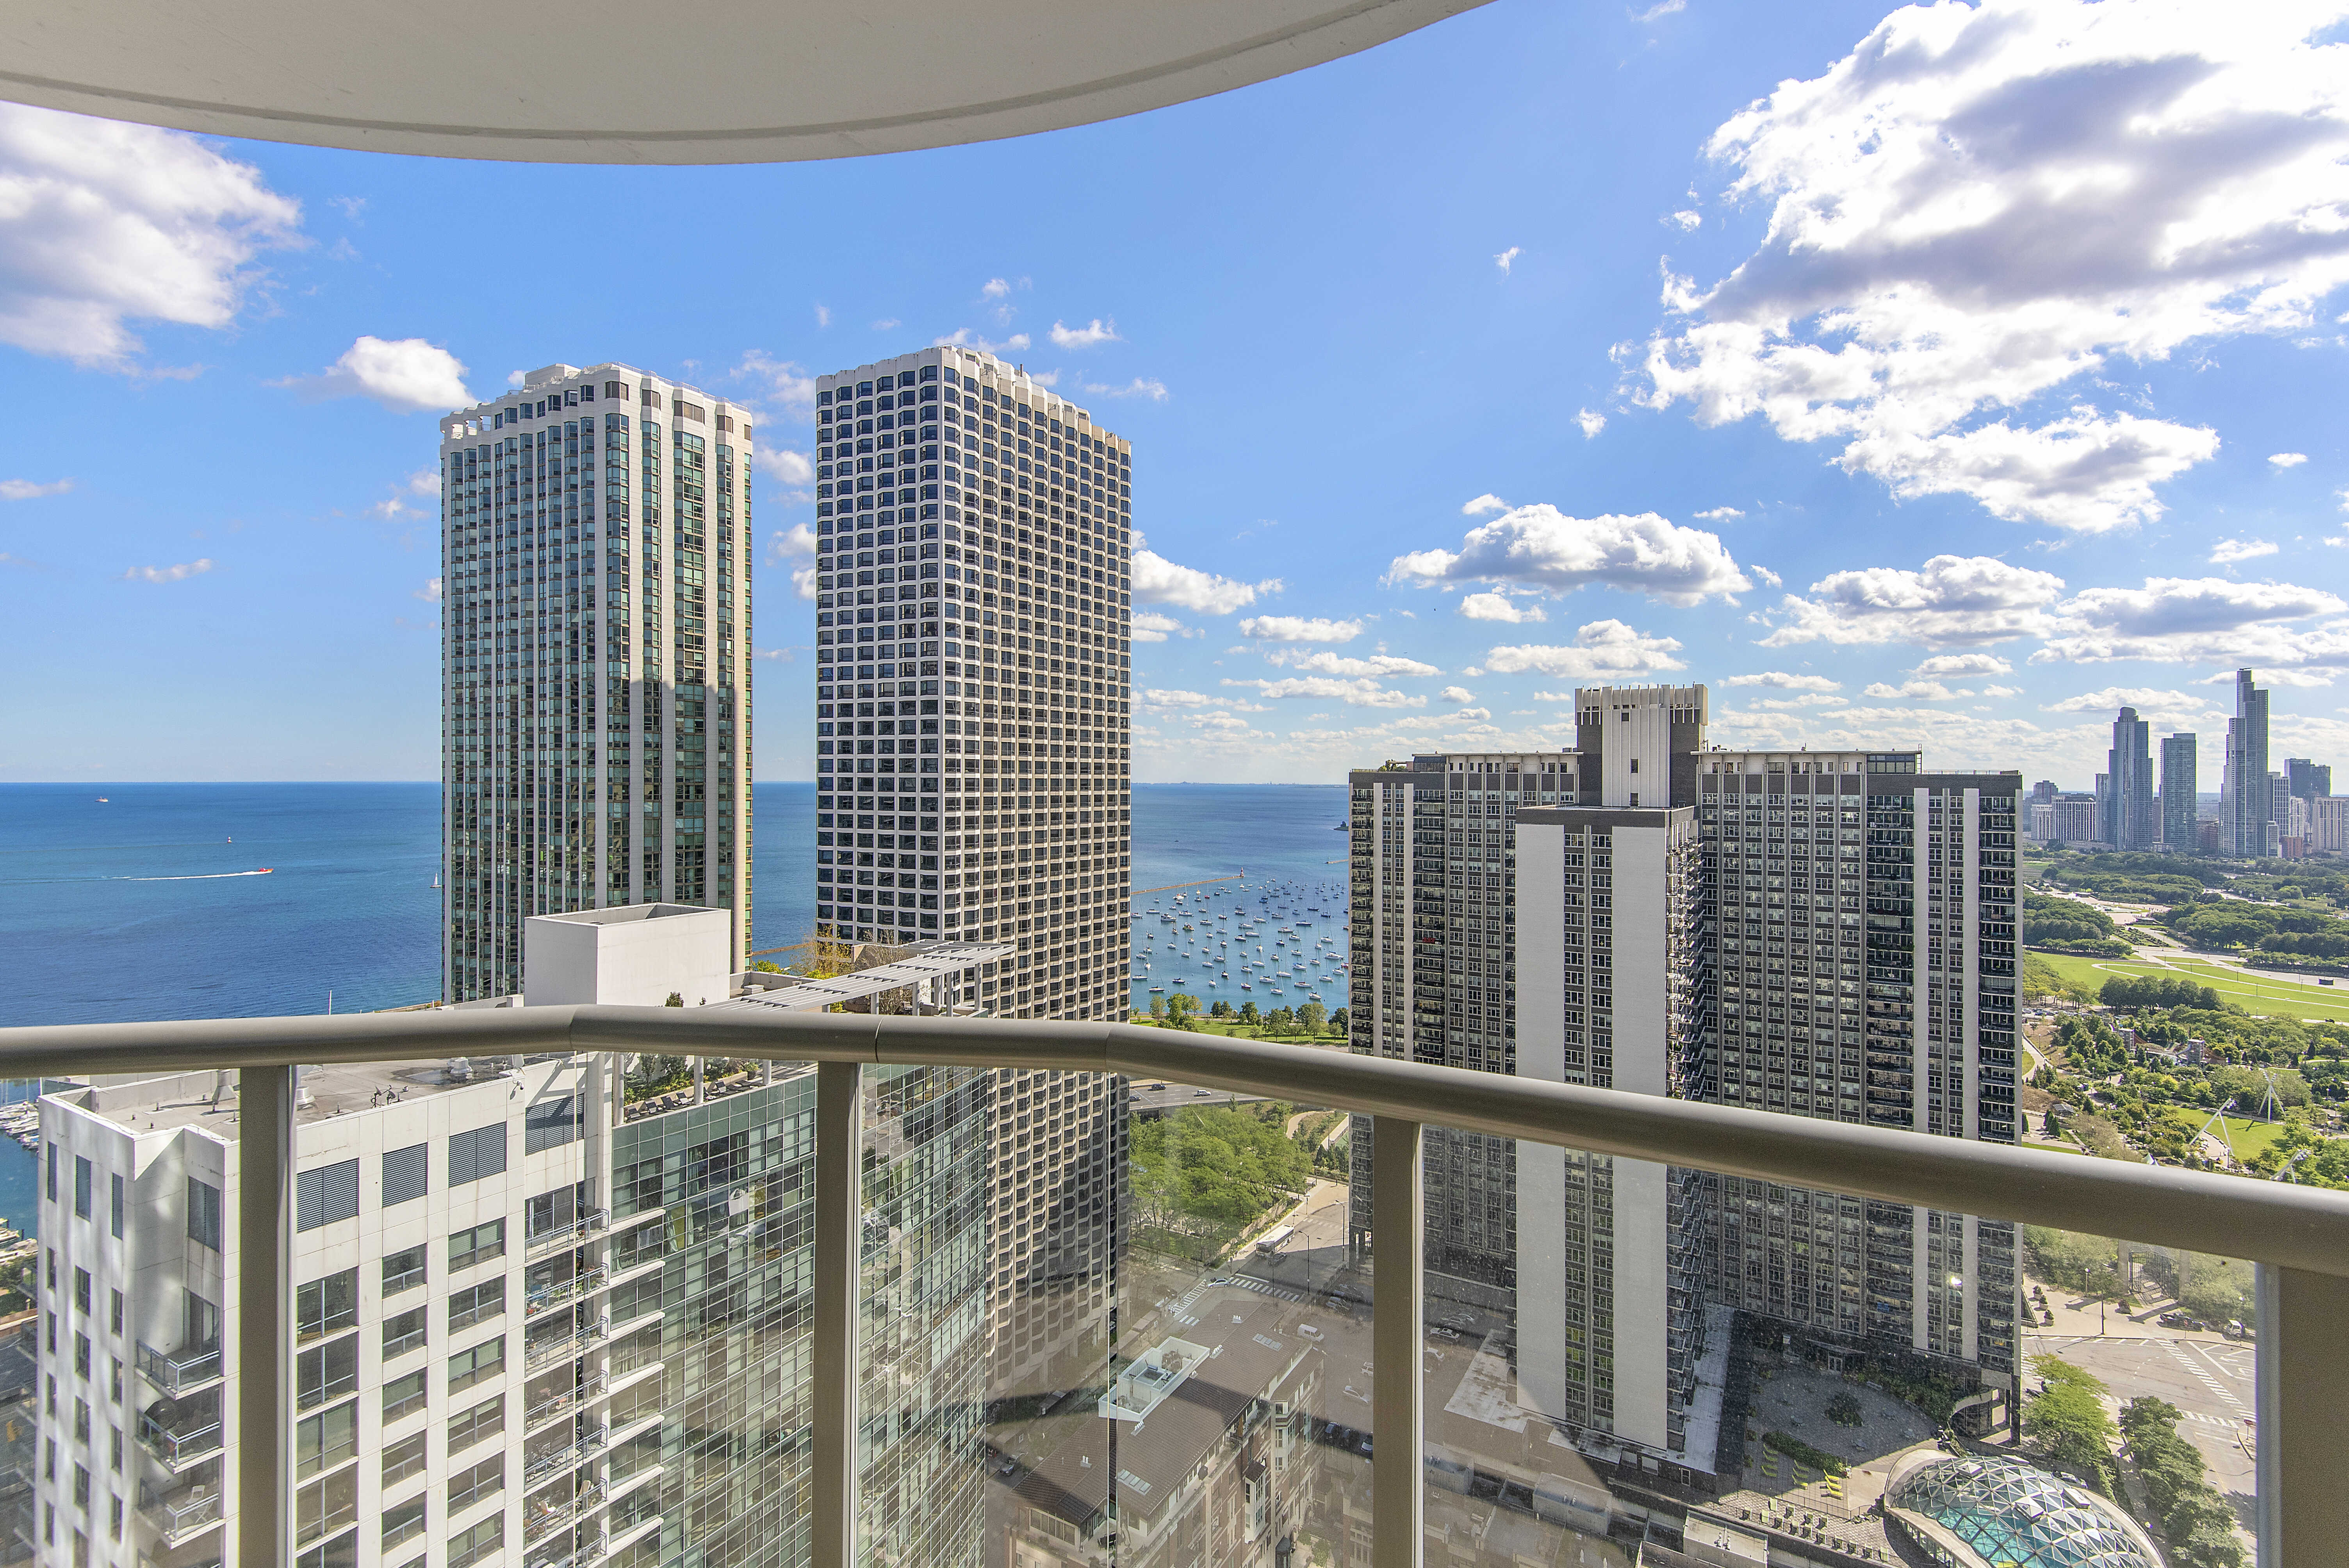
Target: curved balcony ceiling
(711, 81)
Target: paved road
(2211, 1383)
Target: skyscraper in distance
(2246, 815)
(595, 682)
(2127, 800)
(2180, 803)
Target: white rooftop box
(635, 956)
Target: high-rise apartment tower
(2180, 806)
(2246, 816)
(973, 618)
(596, 681)
(1808, 934)
(2128, 819)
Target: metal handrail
(586, 1282)
(2297, 1227)
(176, 1375)
(2298, 1235)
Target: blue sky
(1944, 378)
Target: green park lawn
(2245, 1135)
(2265, 998)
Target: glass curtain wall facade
(2180, 803)
(595, 629)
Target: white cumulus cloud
(1299, 629)
(407, 375)
(1956, 600)
(1500, 607)
(1540, 547)
(792, 468)
(2228, 550)
(1140, 386)
(33, 490)
(179, 574)
(1484, 503)
(1159, 581)
(1923, 691)
(1456, 693)
(1509, 259)
(1980, 207)
(103, 223)
(994, 288)
(1964, 665)
(2150, 703)
(796, 545)
(1363, 693)
(2287, 460)
(431, 592)
(1721, 514)
(1779, 680)
(787, 382)
(2197, 620)
(1089, 336)
(1323, 662)
(1590, 422)
(1149, 626)
(1600, 650)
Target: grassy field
(2268, 997)
(2245, 1135)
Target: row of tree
(2065, 1420)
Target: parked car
(2180, 1320)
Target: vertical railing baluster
(839, 1220)
(1397, 1205)
(2302, 1382)
(265, 1239)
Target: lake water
(144, 904)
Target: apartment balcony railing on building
(587, 1223)
(554, 1347)
(553, 1295)
(179, 1516)
(566, 1554)
(179, 1447)
(569, 1398)
(553, 1461)
(542, 1515)
(2298, 1237)
(182, 1374)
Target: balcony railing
(182, 1374)
(2298, 1236)
(586, 1223)
(539, 1352)
(584, 1282)
(179, 1448)
(546, 1410)
(542, 1516)
(180, 1515)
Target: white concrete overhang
(711, 81)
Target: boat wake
(201, 876)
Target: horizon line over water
(149, 905)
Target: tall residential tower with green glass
(596, 637)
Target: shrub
(1801, 1452)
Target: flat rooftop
(796, 994)
(210, 1102)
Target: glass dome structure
(2006, 1511)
